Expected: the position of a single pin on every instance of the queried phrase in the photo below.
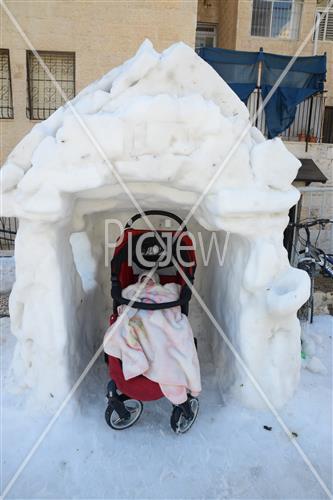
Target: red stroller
(125, 396)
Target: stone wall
(209, 11)
(223, 13)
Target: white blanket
(157, 344)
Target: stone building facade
(232, 19)
(101, 35)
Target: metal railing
(8, 230)
(315, 203)
(307, 125)
(6, 97)
(42, 96)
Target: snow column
(46, 299)
(255, 296)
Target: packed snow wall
(162, 131)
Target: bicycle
(312, 259)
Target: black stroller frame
(124, 406)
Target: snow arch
(169, 126)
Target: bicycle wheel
(305, 313)
(327, 269)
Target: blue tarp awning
(240, 70)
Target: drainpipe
(259, 86)
(316, 34)
(309, 125)
(315, 48)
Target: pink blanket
(157, 344)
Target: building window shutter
(325, 31)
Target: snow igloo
(169, 126)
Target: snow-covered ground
(227, 453)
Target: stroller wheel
(183, 416)
(133, 407)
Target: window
(326, 25)
(43, 96)
(6, 98)
(276, 18)
(206, 35)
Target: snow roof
(157, 120)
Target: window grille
(206, 36)
(276, 18)
(325, 31)
(43, 97)
(6, 98)
(8, 230)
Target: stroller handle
(185, 296)
(155, 212)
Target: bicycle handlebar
(305, 225)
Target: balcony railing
(307, 125)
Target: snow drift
(169, 126)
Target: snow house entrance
(94, 248)
(166, 130)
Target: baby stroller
(124, 397)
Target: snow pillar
(256, 302)
(44, 308)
